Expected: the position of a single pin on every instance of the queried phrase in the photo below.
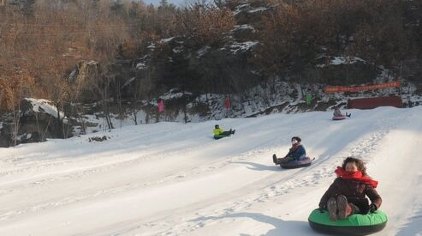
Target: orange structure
(370, 103)
(337, 89)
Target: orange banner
(337, 89)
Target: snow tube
(339, 117)
(355, 224)
(297, 163)
(221, 136)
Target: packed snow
(175, 179)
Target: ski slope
(175, 179)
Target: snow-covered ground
(174, 179)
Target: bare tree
(205, 24)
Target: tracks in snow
(126, 172)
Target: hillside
(104, 63)
(174, 179)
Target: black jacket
(355, 193)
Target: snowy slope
(174, 179)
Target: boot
(275, 159)
(344, 209)
(355, 209)
(233, 131)
(348, 115)
(332, 208)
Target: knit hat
(297, 139)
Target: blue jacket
(297, 153)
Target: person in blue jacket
(296, 152)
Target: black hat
(216, 126)
(296, 138)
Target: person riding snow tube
(295, 158)
(356, 224)
(220, 133)
(345, 208)
(337, 115)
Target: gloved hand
(372, 207)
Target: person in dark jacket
(296, 152)
(348, 193)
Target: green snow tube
(355, 224)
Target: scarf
(358, 176)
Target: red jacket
(227, 104)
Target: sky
(175, 179)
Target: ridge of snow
(235, 47)
(43, 105)
(343, 60)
